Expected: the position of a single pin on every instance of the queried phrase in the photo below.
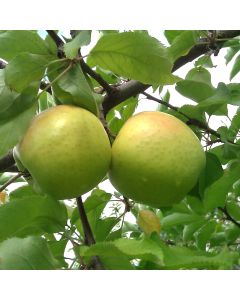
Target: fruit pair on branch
(155, 159)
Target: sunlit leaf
(30, 253)
(134, 55)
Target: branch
(56, 38)
(7, 161)
(209, 143)
(89, 238)
(229, 217)
(107, 87)
(133, 87)
(123, 92)
(11, 180)
(58, 41)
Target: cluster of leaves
(37, 232)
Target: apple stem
(89, 238)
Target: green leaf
(190, 229)
(175, 219)
(231, 150)
(71, 48)
(143, 249)
(235, 67)
(171, 35)
(105, 32)
(104, 227)
(31, 253)
(204, 61)
(176, 257)
(116, 234)
(129, 227)
(223, 131)
(212, 172)
(28, 213)
(108, 76)
(134, 55)
(24, 69)
(45, 101)
(182, 43)
(233, 208)
(13, 42)
(94, 206)
(232, 233)
(234, 93)
(204, 234)
(51, 45)
(231, 51)
(218, 239)
(57, 249)
(197, 85)
(199, 74)
(72, 87)
(226, 152)
(219, 152)
(125, 109)
(13, 103)
(129, 108)
(11, 131)
(111, 257)
(217, 103)
(193, 112)
(215, 194)
(165, 98)
(115, 125)
(195, 204)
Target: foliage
(201, 232)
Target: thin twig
(111, 135)
(56, 38)
(190, 121)
(58, 41)
(89, 238)
(210, 143)
(160, 101)
(11, 180)
(107, 87)
(49, 85)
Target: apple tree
(104, 229)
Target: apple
(156, 159)
(66, 151)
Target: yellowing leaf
(148, 222)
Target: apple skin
(66, 150)
(156, 159)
